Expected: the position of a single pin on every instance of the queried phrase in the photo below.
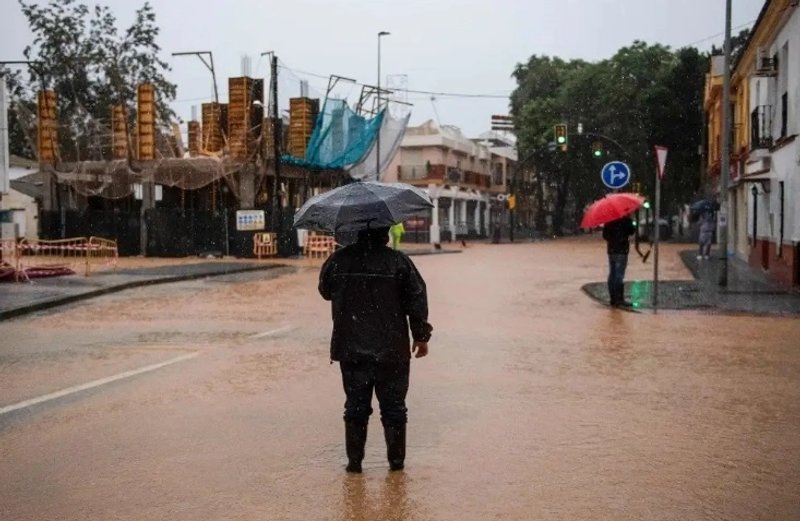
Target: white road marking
(271, 332)
(90, 385)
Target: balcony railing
(761, 127)
(420, 172)
(453, 175)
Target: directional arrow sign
(615, 174)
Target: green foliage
(642, 96)
(79, 52)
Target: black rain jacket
(616, 234)
(375, 293)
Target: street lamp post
(209, 65)
(378, 137)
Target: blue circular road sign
(615, 174)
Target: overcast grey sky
(441, 45)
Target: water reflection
(612, 335)
(390, 503)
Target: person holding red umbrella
(614, 212)
(617, 235)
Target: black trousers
(390, 383)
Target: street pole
(726, 147)
(277, 212)
(656, 237)
(378, 137)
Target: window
(784, 114)
(783, 89)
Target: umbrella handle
(637, 243)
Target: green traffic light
(561, 140)
(598, 153)
(646, 205)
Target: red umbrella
(610, 208)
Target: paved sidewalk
(19, 298)
(748, 291)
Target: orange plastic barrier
(264, 244)
(318, 246)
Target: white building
(18, 206)
(769, 191)
(463, 178)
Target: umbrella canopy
(704, 205)
(610, 208)
(361, 205)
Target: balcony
(761, 127)
(424, 174)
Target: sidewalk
(748, 291)
(20, 298)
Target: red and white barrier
(48, 257)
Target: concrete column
(148, 202)
(247, 188)
(477, 216)
(434, 228)
(451, 215)
(488, 217)
(463, 217)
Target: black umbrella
(704, 205)
(361, 205)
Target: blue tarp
(340, 137)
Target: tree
(79, 53)
(642, 96)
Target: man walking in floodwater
(376, 294)
(617, 234)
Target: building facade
(764, 182)
(19, 207)
(462, 177)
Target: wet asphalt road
(535, 403)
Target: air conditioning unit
(765, 66)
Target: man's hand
(420, 349)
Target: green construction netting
(340, 137)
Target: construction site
(216, 185)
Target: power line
(738, 27)
(429, 93)
(411, 91)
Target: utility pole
(277, 211)
(378, 137)
(726, 149)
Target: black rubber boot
(612, 294)
(621, 296)
(395, 445)
(355, 437)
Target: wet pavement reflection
(536, 402)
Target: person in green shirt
(397, 231)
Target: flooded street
(535, 402)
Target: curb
(60, 301)
(605, 303)
(420, 253)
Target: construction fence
(29, 258)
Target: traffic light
(646, 205)
(597, 149)
(561, 135)
(511, 202)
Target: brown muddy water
(535, 403)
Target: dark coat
(376, 293)
(616, 234)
